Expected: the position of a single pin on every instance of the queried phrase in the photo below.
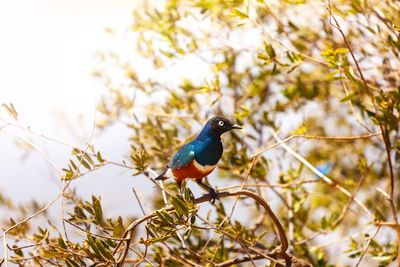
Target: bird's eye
(221, 123)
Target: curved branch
(130, 229)
(262, 202)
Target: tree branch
(127, 236)
(381, 127)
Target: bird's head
(219, 125)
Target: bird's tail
(161, 177)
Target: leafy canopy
(324, 75)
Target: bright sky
(46, 59)
(46, 53)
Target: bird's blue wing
(183, 157)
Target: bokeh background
(48, 56)
(59, 59)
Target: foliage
(324, 74)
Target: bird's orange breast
(192, 171)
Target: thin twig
(334, 138)
(138, 200)
(290, 219)
(385, 138)
(61, 194)
(322, 176)
(234, 261)
(293, 50)
(76, 173)
(245, 242)
(294, 183)
(200, 256)
(91, 233)
(358, 118)
(347, 206)
(243, 183)
(32, 144)
(29, 130)
(367, 246)
(232, 209)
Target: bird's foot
(211, 191)
(213, 194)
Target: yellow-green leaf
(11, 110)
(238, 13)
(341, 51)
(348, 97)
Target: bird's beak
(235, 126)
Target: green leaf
(324, 223)
(18, 252)
(382, 258)
(104, 251)
(10, 109)
(262, 56)
(240, 24)
(192, 219)
(71, 262)
(98, 212)
(179, 205)
(79, 212)
(157, 239)
(118, 230)
(161, 217)
(341, 51)
(370, 29)
(99, 157)
(270, 50)
(73, 165)
(348, 97)
(238, 13)
(292, 69)
(68, 174)
(85, 247)
(167, 216)
(84, 162)
(93, 245)
(166, 53)
(187, 234)
(89, 159)
(61, 242)
(261, 235)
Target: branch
(324, 177)
(228, 216)
(381, 126)
(238, 260)
(65, 185)
(293, 183)
(130, 229)
(91, 233)
(334, 138)
(274, 255)
(367, 246)
(282, 235)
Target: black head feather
(220, 125)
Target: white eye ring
(221, 123)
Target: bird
(199, 157)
